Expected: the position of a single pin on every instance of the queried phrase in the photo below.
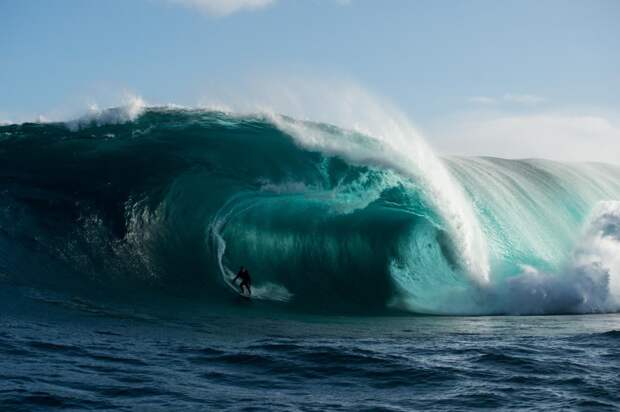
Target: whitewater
(330, 219)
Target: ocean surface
(64, 353)
(384, 276)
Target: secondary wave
(326, 218)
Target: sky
(527, 78)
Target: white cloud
(224, 7)
(558, 136)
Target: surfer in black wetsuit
(246, 280)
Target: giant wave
(326, 217)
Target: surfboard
(245, 295)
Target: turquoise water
(120, 233)
(327, 219)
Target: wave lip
(401, 149)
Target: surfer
(246, 280)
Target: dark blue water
(69, 353)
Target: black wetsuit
(246, 281)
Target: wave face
(325, 218)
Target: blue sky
(476, 76)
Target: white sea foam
(131, 109)
(589, 282)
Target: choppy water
(74, 354)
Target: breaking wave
(325, 217)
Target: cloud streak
(508, 98)
(220, 8)
(527, 99)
